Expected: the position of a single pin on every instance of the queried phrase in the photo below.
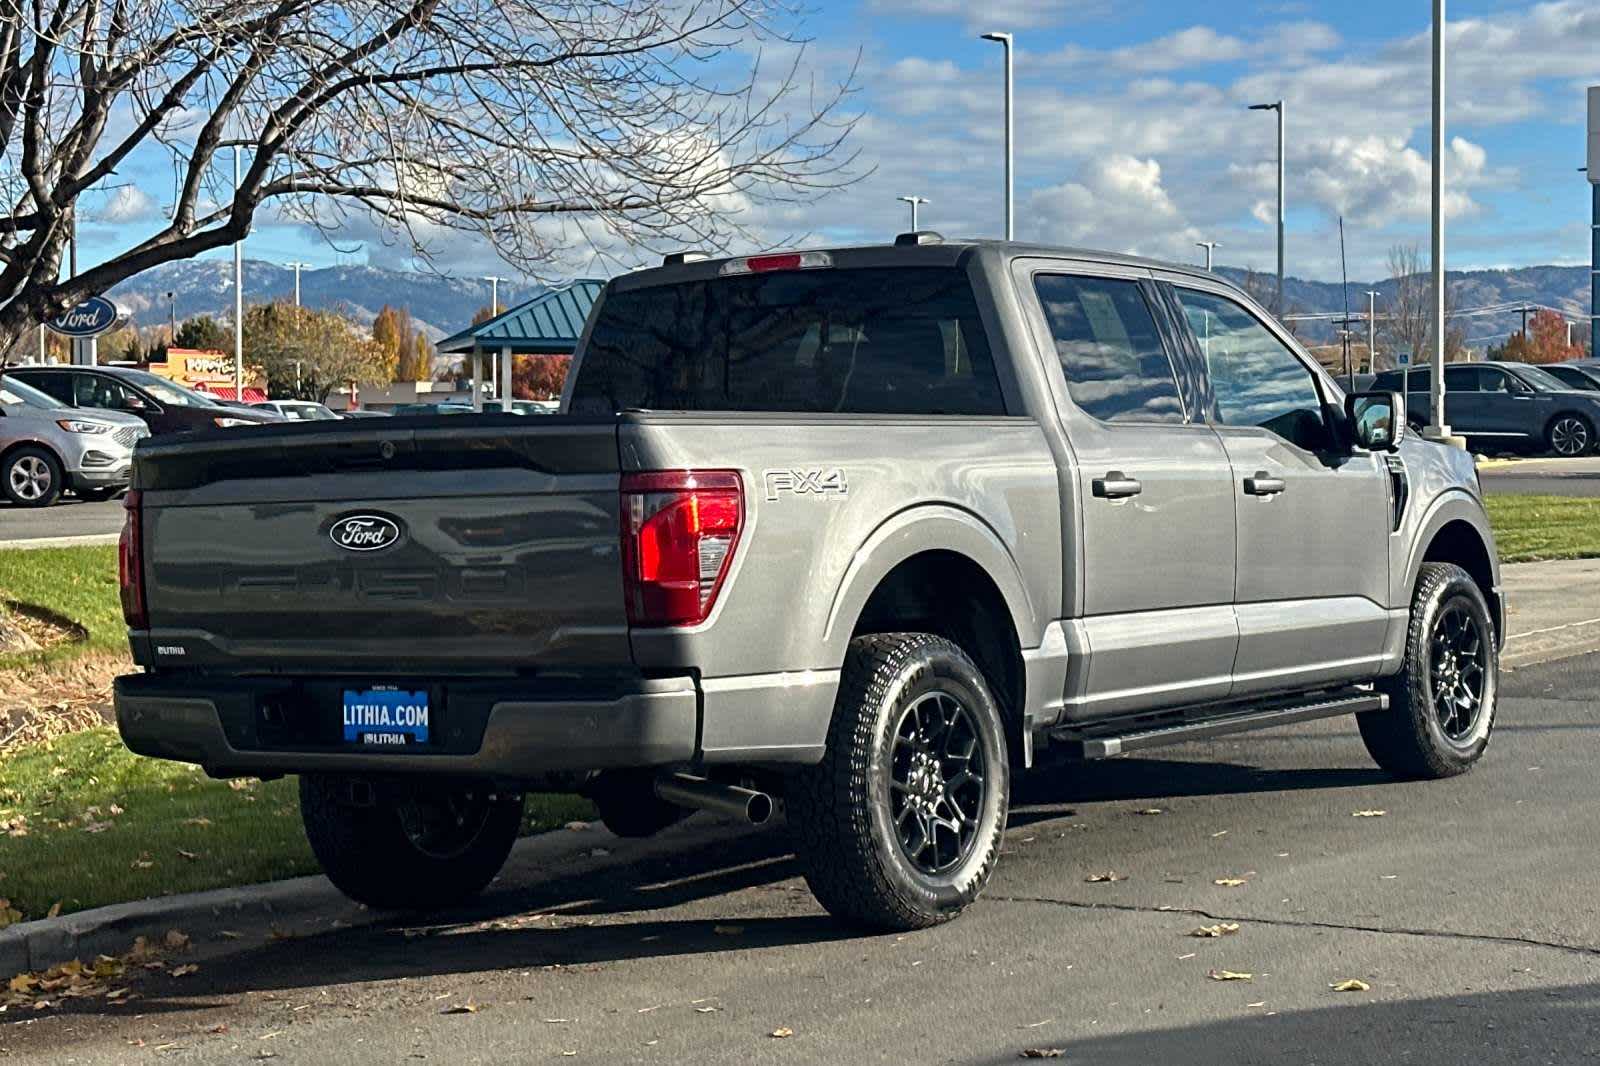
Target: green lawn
(1529, 528)
(83, 822)
(79, 584)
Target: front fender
(929, 527)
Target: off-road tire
(629, 806)
(839, 812)
(30, 476)
(1408, 739)
(367, 853)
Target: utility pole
(1524, 310)
(172, 320)
(1372, 331)
(1006, 41)
(1594, 220)
(1278, 107)
(1438, 429)
(238, 296)
(913, 201)
(1210, 247)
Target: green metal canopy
(548, 324)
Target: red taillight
(679, 531)
(130, 562)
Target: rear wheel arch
(949, 594)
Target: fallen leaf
(1041, 1053)
(1354, 984)
(201, 822)
(1220, 929)
(175, 941)
(54, 911)
(185, 970)
(96, 827)
(1150, 812)
(1257, 1003)
(115, 810)
(1368, 814)
(191, 856)
(706, 1010)
(1108, 876)
(143, 862)
(1229, 975)
(468, 1007)
(782, 1032)
(1230, 882)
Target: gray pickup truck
(863, 531)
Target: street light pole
(297, 267)
(494, 293)
(913, 201)
(1005, 40)
(1278, 107)
(1210, 247)
(1438, 429)
(1372, 331)
(238, 296)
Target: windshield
(1542, 380)
(14, 393)
(859, 341)
(166, 391)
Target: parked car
(535, 407)
(867, 531)
(433, 409)
(365, 412)
(1574, 376)
(1506, 405)
(298, 410)
(165, 406)
(46, 448)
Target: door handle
(1263, 484)
(1115, 486)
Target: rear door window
(858, 341)
(1111, 353)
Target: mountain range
(442, 305)
(439, 305)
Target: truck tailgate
(489, 544)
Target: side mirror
(1377, 420)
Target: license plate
(386, 716)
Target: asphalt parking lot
(70, 517)
(1467, 907)
(1554, 477)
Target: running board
(1074, 744)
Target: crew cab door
(1150, 496)
(1312, 519)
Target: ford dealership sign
(89, 319)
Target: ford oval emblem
(89, 319)
(365, 533)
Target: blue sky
(1133, 133)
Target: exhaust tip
(759, 809)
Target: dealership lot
(69, 518)
(1466, 906)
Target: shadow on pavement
(530, 920)
(1542, 1025)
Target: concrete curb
(1549, 645)
(60, 542)
(226, 920)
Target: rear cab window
(1112, 355)
(878, 340)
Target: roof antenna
(1344, 273)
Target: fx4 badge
(806, 483)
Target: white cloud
(997, 14)
(127, 203)
(1119, 203)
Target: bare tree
(540, 125)
(1407, 325)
